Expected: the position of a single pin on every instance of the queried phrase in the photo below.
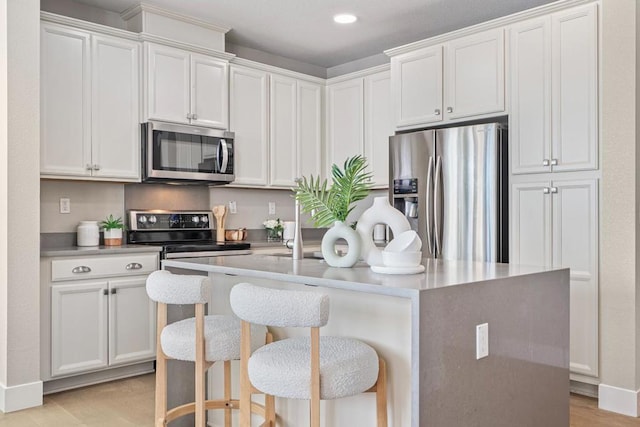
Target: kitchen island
(424, 325)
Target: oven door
(186, 153)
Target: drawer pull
(133, 266)
(113, 291)
(105, 292)
(81, 269)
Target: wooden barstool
(200, 339)
(312, 368)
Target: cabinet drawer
(102, 266)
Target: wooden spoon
(220, 213)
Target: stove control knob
(204, 219)
(153, 219)
(142, 219)
(195, 219)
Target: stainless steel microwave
(186, 154)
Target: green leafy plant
(328, 205)
(111, 223)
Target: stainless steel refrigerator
(451, 184)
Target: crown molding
(277, 70)
(152, 38)
(358, 74)
(145, 7)
(89, 26)
(495, 23)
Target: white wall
(20, 384)
(619, 234)
(84, 12)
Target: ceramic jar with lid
(88, 233)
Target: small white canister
(88, 233)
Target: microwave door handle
(222, 164)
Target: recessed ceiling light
(345, 18)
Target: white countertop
(97, 250)
(314, 272)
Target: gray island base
(424, 325)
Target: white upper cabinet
(417, 87)
(474, 75)
(345, 118)
(554, 110)
(295, 130)
(463, 78)
(115, 130)
(378, 122)
(185, 87)
(360, 121)
(248, 118)
(283, 147)
(89, 105)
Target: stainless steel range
(182, 234)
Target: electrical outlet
(482, 340)
(65, 206)
(272, 208)
(233, 208)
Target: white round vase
(341, 230)
(381, 212)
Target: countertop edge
(97, 250)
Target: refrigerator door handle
(437, 208)
(429, 217)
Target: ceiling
(304, 30)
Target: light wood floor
(129, 403)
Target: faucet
(298, 252)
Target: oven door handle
(223, 151)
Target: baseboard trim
(583, 389)
(619, 400)
(76, 381)
(23, 396)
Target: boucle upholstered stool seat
(200, 339)
(312, 367)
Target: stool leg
(245, 383)
(227, 392)
(161, 369)
(381, 394)
(315, 377)
(200, 369)
(270, 410)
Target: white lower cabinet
(97, 322)
(555, 223)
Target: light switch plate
(272, 208)
(65, 205)
(233, 208)
(482, 340)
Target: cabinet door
(65, 102)
(115, 112)
(416, 85)
(575, 245)
(283, 146)
(132, 322)
(530, 118)
(248, 119)
(378, 123)
(531, 224)
(209, 93)
(309, 132)
(78, 327)
(167, 84)
(345, 122)
(575, 89)
(474, 75)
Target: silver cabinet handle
(114, 291)
(545, 162)
(188, 115)
(105, 292)
(81, 269)
(194, 116)
(89, 167)
(449, 110)
(437, 112)
(554, 190)
(554, 162)
(133, 266)
(96, 167)
(545, 190)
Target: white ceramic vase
(88, 233)
(381, 212)
(341, 230)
